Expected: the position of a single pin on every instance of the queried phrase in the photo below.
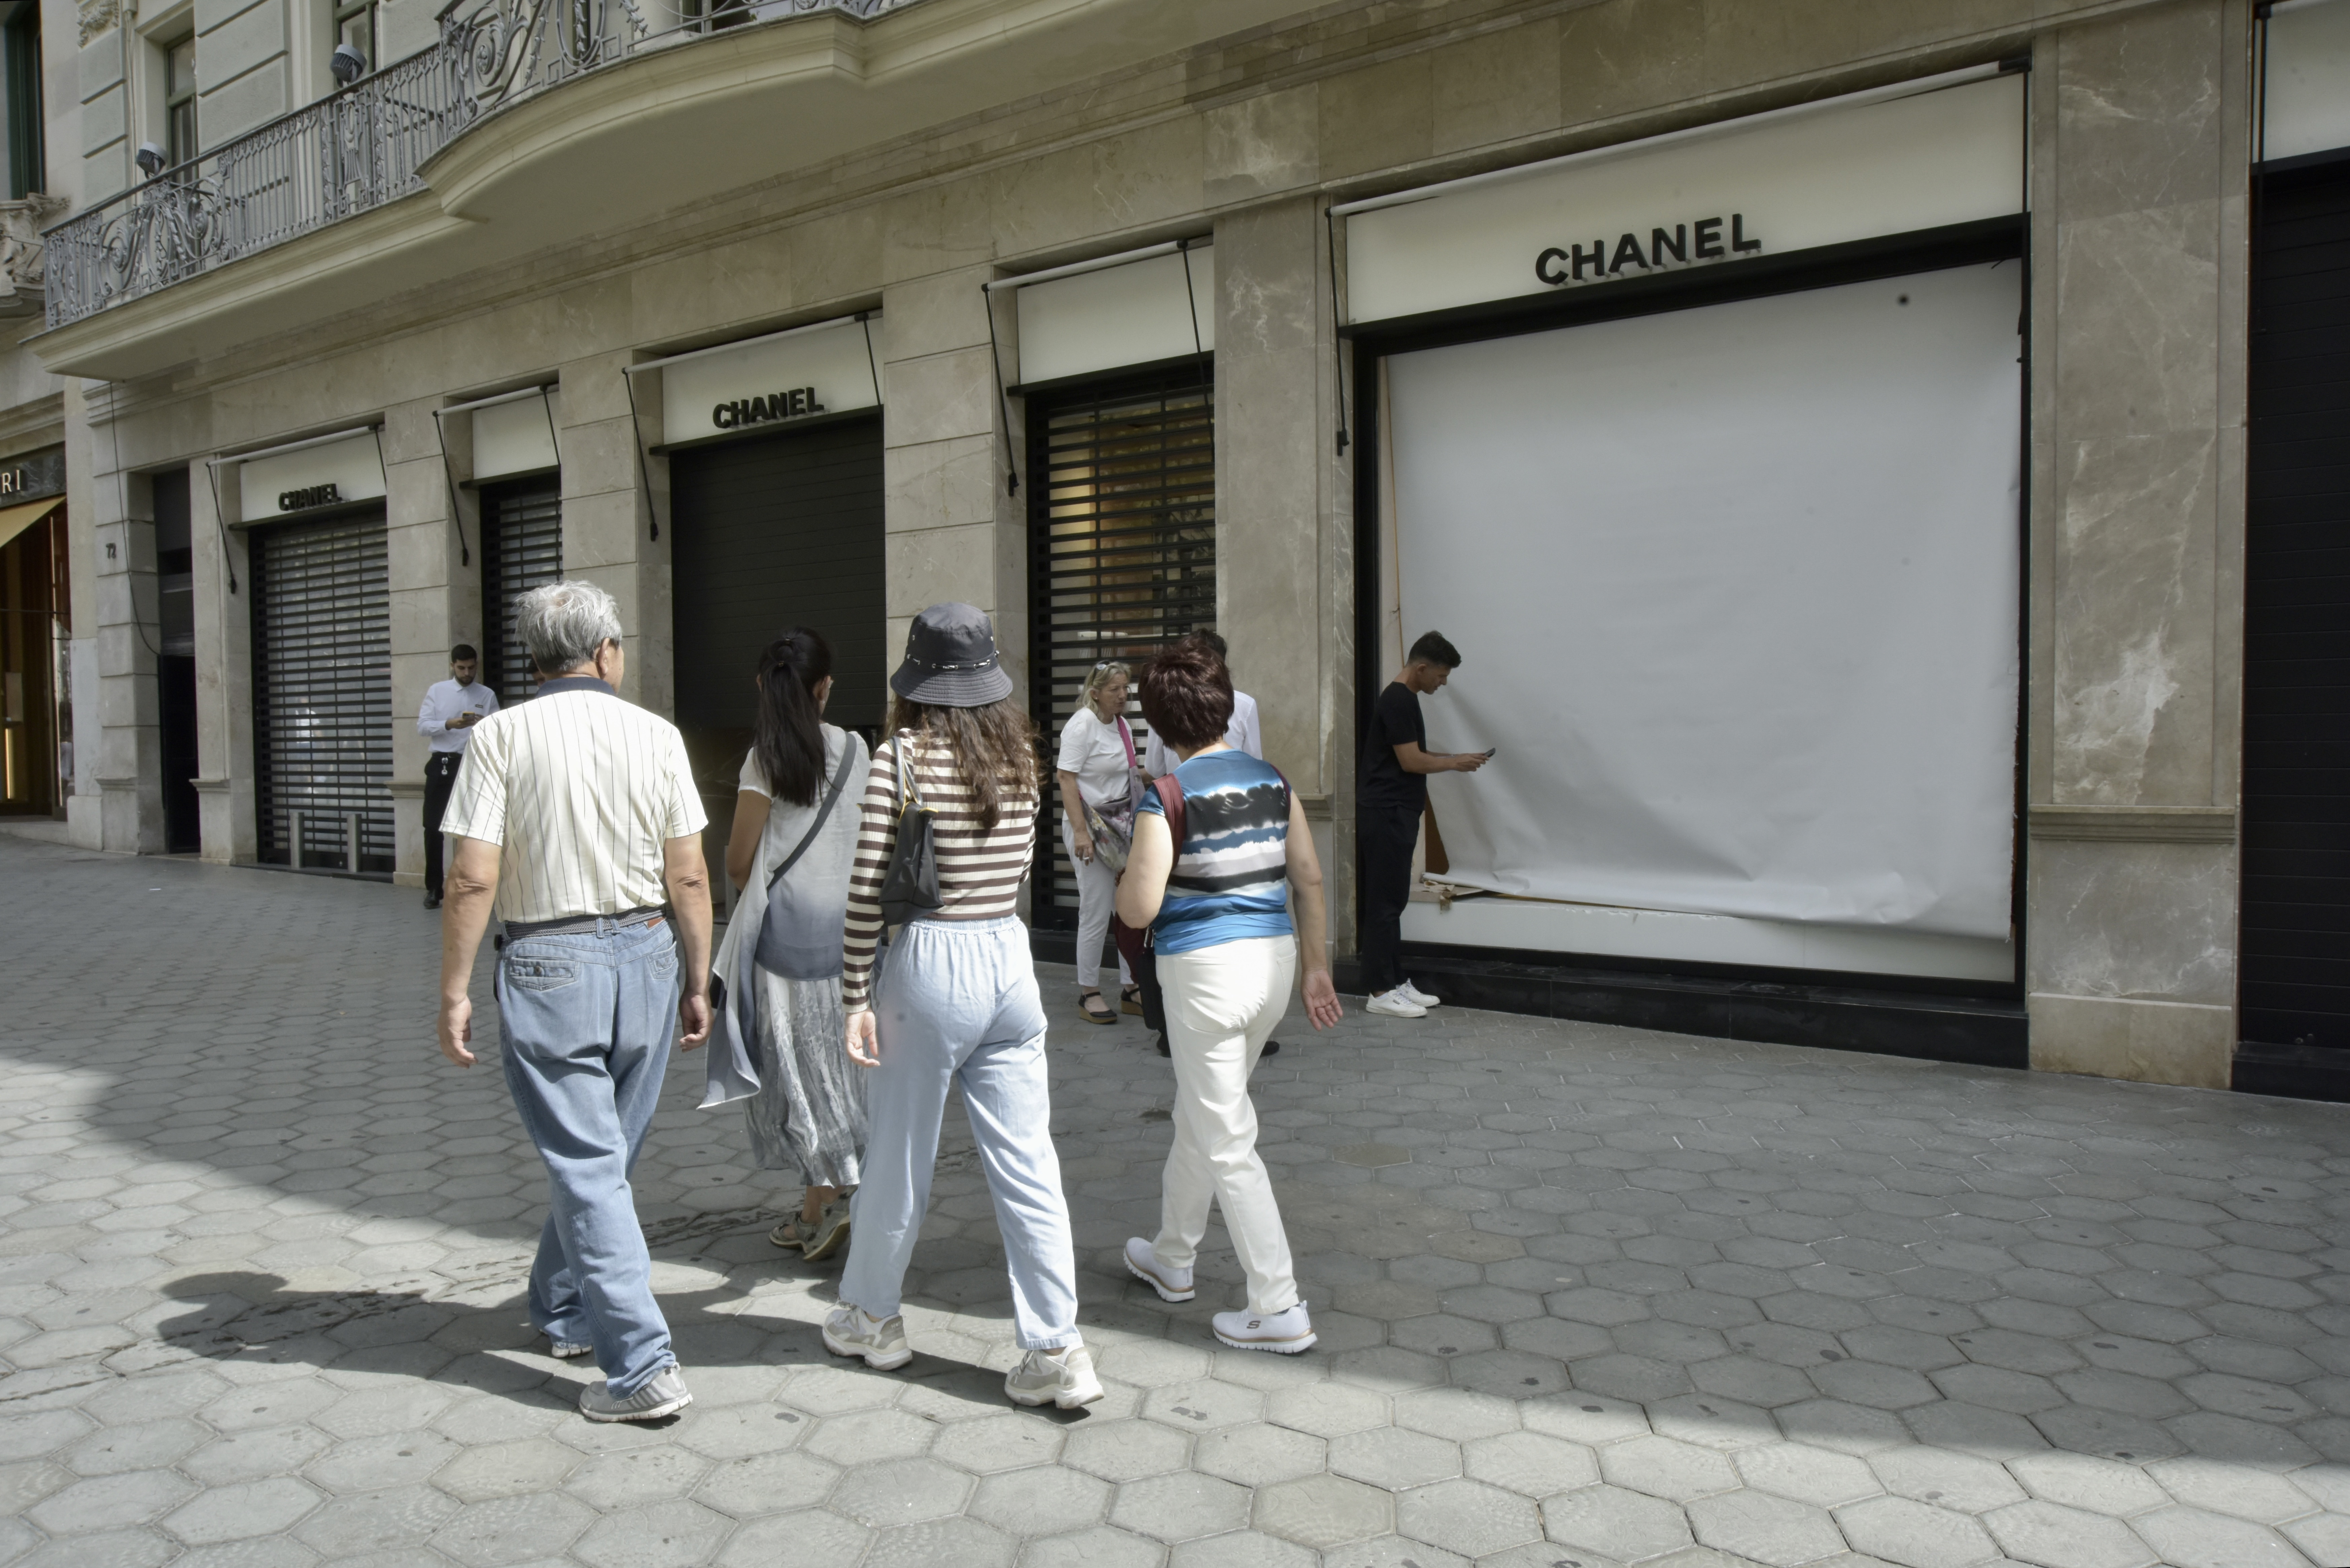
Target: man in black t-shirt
(1393, 793)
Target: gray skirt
(809, 1116)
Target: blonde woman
(1098, 768)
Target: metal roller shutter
(2296, 987)
(1121, 552)
(521, 527)
(322, 691)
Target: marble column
(2139, 173)
(436, 597)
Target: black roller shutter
(770, 533)
(2295, 942)
(322, 691)
(1121, 554)
(522, 549)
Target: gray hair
(564, 624)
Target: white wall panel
(353, 466)
(2307, 107)
(1737, 592)
(1137, 314)
(513, 437)
(1824, 177)
(830, 360)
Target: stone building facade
(566, 239)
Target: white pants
(1096, 902)
(1222, 1005)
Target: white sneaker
(1395, 1004)
(1173, 1284)
(1282, 1332)
(1418, 997)
(666, 1394)
(1063, 1377)
(879, 1342)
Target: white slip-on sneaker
(1282, 1332)
(1418, 997)
(1395, 1004)
(1063, 1377)
(879, 1342)
(666, 1394)
(1173, 1284)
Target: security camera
(149, 159)
(349, 65)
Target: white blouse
(1093, 751)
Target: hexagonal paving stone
(1663, 1467)
(638, 1476)
(1259, 1455)
(739, 1431)
(2057, 1537)
(1203, 1404)
(901, 1491)
(1126, 1450)
(999, 1443)
(1043, 1500)
(109, 1502)
(1179, 1507)
(2191, 1538)
(810, 1538)
(1468, 1517)
(1239, 1549)
(868, 1436)
(1529, 1463)
(1914, 1534)
(1946, 1478)
(1391, 1457)
(1614, 1523)
(391, 1520)
(513, 1530)
(1762, 1528)
(664, 1535)
(373, 1464)
(767, 1483)
(1328, 1409)
(1322, 1511)
(1821, 1477)
(958, 1540)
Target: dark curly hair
(1187, 694)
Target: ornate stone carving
(96, 16)
(23, 269)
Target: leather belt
(571, 925)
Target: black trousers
(1387, 836)
(439, 777)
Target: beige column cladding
(2139, 161)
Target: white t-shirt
(1097, 753)
(1240, 733)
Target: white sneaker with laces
(1395, 1004)
(1142, 1262)
(666, 1394)
(879, 1342)
(1282, 1332)
(1418, 997)
(1063, 1377)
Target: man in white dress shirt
(451, 708)
(1240, 733)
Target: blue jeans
(586, 1021)
(958, 1003)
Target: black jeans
(1387, 835)
(439, 777)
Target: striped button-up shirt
(980, 872)
(580, 791)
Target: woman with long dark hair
(782, 947)
(957, 1004)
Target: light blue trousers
(585, 1022)
(957, 1003)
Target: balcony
(533, 128)
(365, 145)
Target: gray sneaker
(879, 1342)
(1063, 1377)
(666, 1394)
(566, 1349)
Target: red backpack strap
(1171, 801)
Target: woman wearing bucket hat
(957, 1004)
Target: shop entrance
(175, 662)
(33, 778)
(522, 549)
(322, 694)
(770, 533)
(2295, 984)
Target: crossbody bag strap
(839, 786)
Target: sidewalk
(1587, 1295)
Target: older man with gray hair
(574, 817)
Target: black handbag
(803, 935)
(911, 888)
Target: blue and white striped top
(1232, 870)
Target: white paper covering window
(1736, 590)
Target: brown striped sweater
(979, 874)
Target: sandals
(1089, 1013)
(794, 1233)
(1129, 1000)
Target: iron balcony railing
(361, 147)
